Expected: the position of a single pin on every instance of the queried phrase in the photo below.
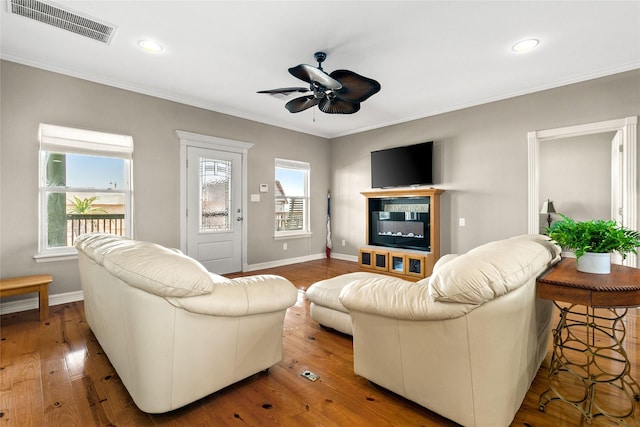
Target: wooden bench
(26, 284)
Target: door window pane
(215, 195)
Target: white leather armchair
(466, 342)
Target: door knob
(239, 218)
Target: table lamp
(548, 209)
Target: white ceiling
(429, 56)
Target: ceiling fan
(339, 92)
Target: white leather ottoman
(326, 308)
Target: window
(292, 198)
(85, 186)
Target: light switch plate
(255, 197)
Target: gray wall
(575, 173)
(480, 158)
(30, 96)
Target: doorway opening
(623, 196)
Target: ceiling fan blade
(285, 90)
(355, 88)
(300, 104)
(338, 106)
(311, 74)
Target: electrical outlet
(462, 222)
(309, 375)
(284, 246)
(343, 242)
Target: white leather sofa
(466, 342)
(173, 331)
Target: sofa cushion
(96, 245)
(148, 266)
(242, 296)
(442, 261)
(326, 292)
(492, 270)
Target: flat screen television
(402, 166)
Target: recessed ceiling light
(525, 45)
(150, 46)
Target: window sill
(292, 235)
(65, 256)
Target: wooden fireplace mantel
(405, 192)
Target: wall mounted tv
(402, 166)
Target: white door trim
(626, 181)
(189, 139)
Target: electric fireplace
(400, 222)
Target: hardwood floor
(53, 373)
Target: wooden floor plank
(59, 403)
(27, 407)
(6, 405)
(55, 374)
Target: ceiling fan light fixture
(525, 45)
(339, 92)
(150, 46)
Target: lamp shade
(547, 207)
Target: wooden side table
(27, 284)
(588, 352)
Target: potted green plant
(593, 242)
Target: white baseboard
(289, 261)
(344, 257)
(281, 262)
(32, 303)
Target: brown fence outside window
(78, 224)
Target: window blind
(69, 140)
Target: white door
(214, 209)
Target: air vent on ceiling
(58, 16)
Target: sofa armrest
(242, 296)
(398, 299)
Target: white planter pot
(594, 263)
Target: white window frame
(65, 140)
(306, 228)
